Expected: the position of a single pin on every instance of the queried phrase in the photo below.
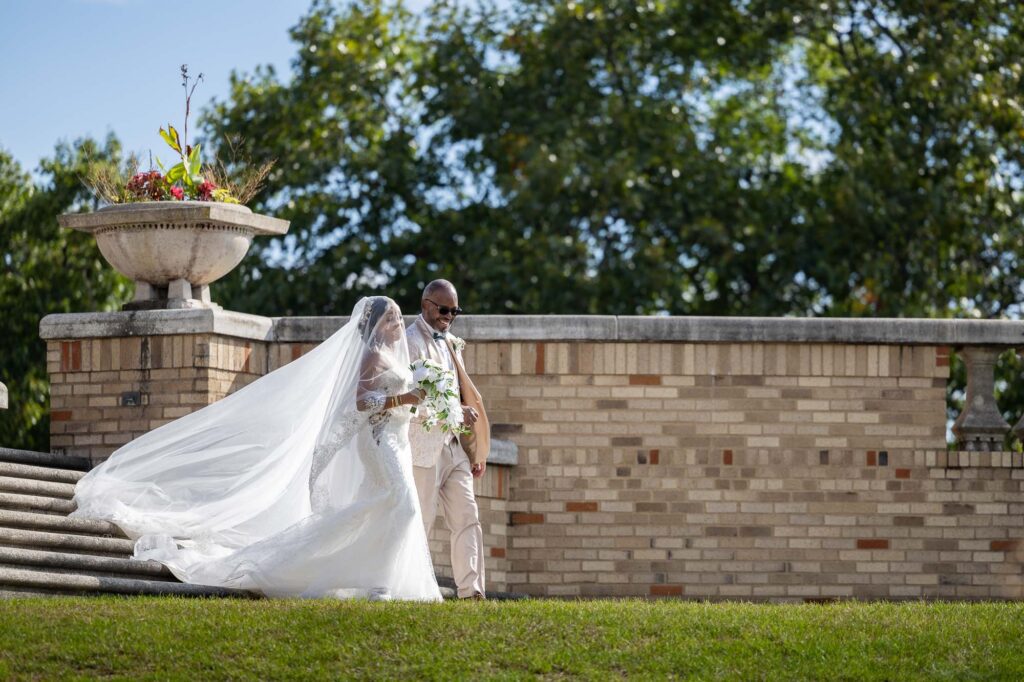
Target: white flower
(425, 369)
(458, 344)
(441, 405)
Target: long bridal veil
(266, 488)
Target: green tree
(925, 177)
(758, 157)
(349, 174)
(526, 156)
(45, 270)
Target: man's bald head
(439, 294)
(439, 286)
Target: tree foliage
(757, 157)
(45, 269)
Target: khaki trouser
(451, 480)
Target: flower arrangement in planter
(187, 180)
(175, 230)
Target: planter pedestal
(178, 294)
(174, 250)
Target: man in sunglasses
(445, 465)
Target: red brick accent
(726, 457)
(942, 356)
(70, 356)
(644, 380)
(522, 518)
(903, 473)
(539, 369)
(296, 351)
(653, 459)
(581, 506)
(872, 458)
(498, 552)
(666, 590)
(1004, 545)
(872, 543)
(60, 415)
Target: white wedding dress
(299, 484)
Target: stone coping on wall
(156, 323)
(597, 328)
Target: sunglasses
(445, 310)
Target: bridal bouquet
(441, 402)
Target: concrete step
(83, 563)
(78, 544)
(35, 503)
(58, 524)
(20, 578)
(39, 473)
(88, 571)
(27, 593)
(26, 486)
(44, 459)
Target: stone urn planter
(174, 250)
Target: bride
(299, 484)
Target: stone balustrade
(779, 459)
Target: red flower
(206, 190)
(147, 185)
(178, 192)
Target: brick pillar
(115, 376)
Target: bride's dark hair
(373, 309)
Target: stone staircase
(44, 552)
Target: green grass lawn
(169, 638)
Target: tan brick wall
(753, 471)
(695, 470)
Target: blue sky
(72, 68)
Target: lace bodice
(387, 431)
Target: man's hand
(478, 469)
(469, 414)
